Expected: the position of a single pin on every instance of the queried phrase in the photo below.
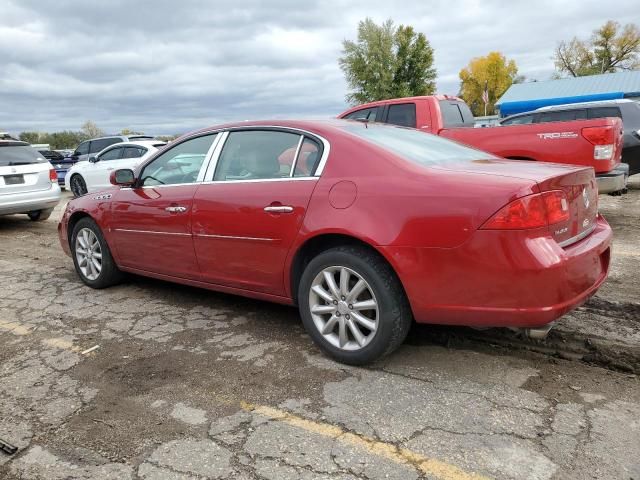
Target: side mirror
(93, 159)
(123, 177)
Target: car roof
(138, 143)
(599, 103)
(13, 143)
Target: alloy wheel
(343, 308)
(88, 254)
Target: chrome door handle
(177, 209)
(278, 209)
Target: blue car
(61, 163)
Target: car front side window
(82, 149)
(257, 155)
(179, 165)
(113, 154)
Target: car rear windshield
(418, 147)
(19, 154)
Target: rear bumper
(613, 181)
(502, 279)
(30, 201)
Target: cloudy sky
(171, 66)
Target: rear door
(151, 223)
(247, 217)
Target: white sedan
(93, 175)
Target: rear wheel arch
(313, 246)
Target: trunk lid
(577, 183)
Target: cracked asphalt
(191, 384)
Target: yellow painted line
(427, 466)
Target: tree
(91, 130)
(127, 132)
(387, 62)
(492, 72)
(30, 137)
(611, 48)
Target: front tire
(91, 256)
(353, 305)
(78, 186)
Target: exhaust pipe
(539, 333)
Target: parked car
(593, 143)
(625, 109)
(90, 148)
(59, 162)
(93, 175)
(95, 145)
(28, 182)
(370, 227)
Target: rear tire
(91, 256)
(370, 300)
(40, 215)
(77, 185)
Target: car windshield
(418, 147)
(19, 154)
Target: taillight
(603, 139)
(533, 211)
(53, 176)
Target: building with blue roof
(524, 97)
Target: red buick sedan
(365, 227)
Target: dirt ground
(191, 384)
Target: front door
(151, 223)
(246, 219)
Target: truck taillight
(533, 211)
(603, 139)
(53, 176)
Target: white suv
(28, 182)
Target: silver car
(28, 182)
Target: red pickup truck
(594, 143)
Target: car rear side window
(455, 116)
(257, 155)
(102, 143)
(418, 147)
(403, 114)
(308, 158)
(523, 120)
(19, 154)
(602, 112)
(562, 116)
(134, 152)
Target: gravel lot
(191, 384)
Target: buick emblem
(585, 197)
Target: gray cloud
(168, 67)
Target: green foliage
(387, 62)
(492, 71)
(610, 49)
(56, 140)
